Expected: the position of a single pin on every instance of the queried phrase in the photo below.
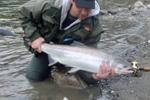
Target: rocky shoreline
(130, 87)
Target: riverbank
(126, 87)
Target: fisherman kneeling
(60, 21)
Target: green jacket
(40, 18)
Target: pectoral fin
(51, 61)
(73, 70)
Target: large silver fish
(85, 58)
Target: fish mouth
(125, 71)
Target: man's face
(81, 13)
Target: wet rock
(139, 4)
(132, 92)
(148, 6)
(142, 9)
(130, 7)
(69, 80)
(5, 32)
(121, 5)
(145, 12)
(112, 92)
(65, 98)
(107, 96)
(146, 1)
(103, 12)
(134, 13)
(123, 10)
(136, 39)
(113, 12)
(132, 18)
(18, 31)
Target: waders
(38, 68)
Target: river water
(14, 58)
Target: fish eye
(125, 66)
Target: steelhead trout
(85, 58)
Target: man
(61, 22)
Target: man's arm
(36, 44)
(30, 15)
(26, 15)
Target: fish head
(122, 66)
(123, 69)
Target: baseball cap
(85, 4)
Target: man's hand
(104, 72)
(36, 44)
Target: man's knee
(35, 76)
(38, 68)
